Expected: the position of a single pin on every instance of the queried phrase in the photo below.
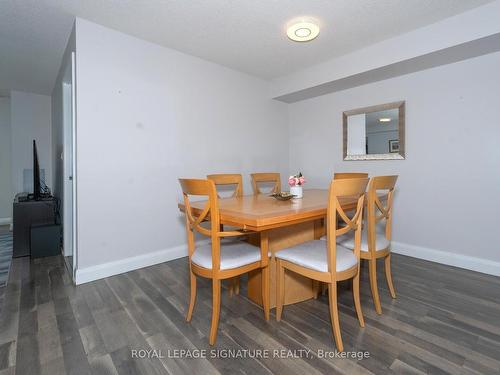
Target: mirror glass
(374, 132)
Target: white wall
(449, 185)
(5, 162)
(30, 119)
(147, 115)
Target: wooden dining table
(278, 225)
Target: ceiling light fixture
(384, 119)
(302, 31)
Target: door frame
(73, 141)
(69, 223)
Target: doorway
(68, 156)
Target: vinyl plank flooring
(92, 341)
(285, 366)
(75, 359)
(8, 371)
(53, 367)
(9, 317)
(419, 364)
(27, 340)
(6, 354)
(404, 368)
(50, 343)
(103, 366)
(444, 321)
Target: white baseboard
(489, 267)
(5, 221)
(101, 271)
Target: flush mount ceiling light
(384, 119)
(302, 31)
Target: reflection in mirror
(374, 132)
(381, 128)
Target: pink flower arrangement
(296, 180)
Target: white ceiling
(244, 35)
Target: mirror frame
(376, 108)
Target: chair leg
(324, 287)
(233, 286)
(265, 291)
(215, 310)
(373, 285)
(334, 315)
(280, 289)
(236, 285)
(192, 298)
(357, 302)
(316, 288)
(388, 275)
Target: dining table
(275, 225)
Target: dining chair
(376, 237)
(217, 261)
(344, 175)
(258, 178)
(325, 261)
(227, 180)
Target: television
(37, 188)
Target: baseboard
(101, 271)
(5, 221)
(489, 267)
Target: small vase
(297, 191)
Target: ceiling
(248, 36)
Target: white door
(68, 102)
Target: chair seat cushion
(347, 241)
(233, 254)
(312, 254)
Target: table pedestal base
(297, 287)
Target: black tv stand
(31, 197)
(27, 213)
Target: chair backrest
(266, 177)
(209, 214)
(228, 179)
(342, 175)
(354, 189)
(377, 210)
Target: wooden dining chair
(214, 261)
(344, 175)
(227, 180)
(340, 222)
(376, 237)
(258, 178)
(325, 261)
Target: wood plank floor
(445, 320)
(3, 230)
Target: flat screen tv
(36, 175)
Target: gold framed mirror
(375, 133)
